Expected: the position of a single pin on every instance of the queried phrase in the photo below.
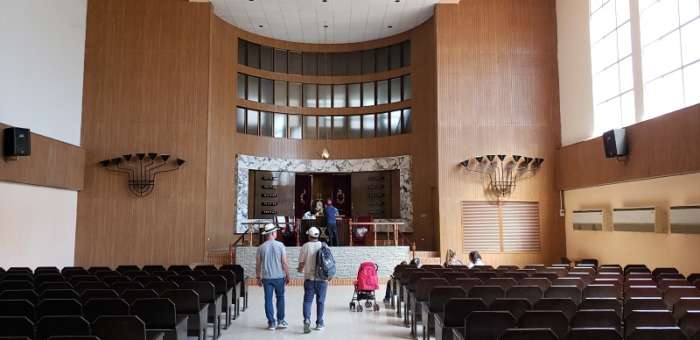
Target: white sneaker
(282, 324)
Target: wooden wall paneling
(146, 89)
(52, 164)
(662, 146)
(497, 93)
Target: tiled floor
(340, 322)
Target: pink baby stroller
(367, 282)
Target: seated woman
(451, 259)
(475, 260)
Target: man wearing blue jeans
(272, 274)
(312, 285)
(331, 213)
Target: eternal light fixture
(142, 169)
(503, 171)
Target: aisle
(340, 322)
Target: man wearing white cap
(272, 273)
(313, 286)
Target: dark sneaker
(282, 324)
(307, 327)
(319, 327)
(271, 326)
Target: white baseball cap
(313, 232)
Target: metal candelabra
(503, 171)
(142, 169)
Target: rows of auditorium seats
(585, 301)
(126, 303)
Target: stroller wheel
(368, 304)
(359, 308)
(352, 306)
(376, 307)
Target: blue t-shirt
(331, 213)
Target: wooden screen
(500, 226)
(481, 226)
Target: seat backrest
(229, 275)
(601, 290)
(16, 284)
(196, 274)
(54, 285)
(564, 305)
(111, 280)
(457, 309)
(642, 291)
(237, 268)
(119, 328)
(453, 275)
(569, 281)
(204, 289)
(59, 294)
(488, 325)
(441, 294)
(570, 292)
(593, 333)
(219, 282)
(656, 333)
(106, 273)
(602, 303)
(98, 294)
(664, 284)
(58, 307)
(672, 276)
(131, 295)
(83, 286)
(543, 283)
(180, 279)
(75, 279)
(591, 318)
(690, 323)
(487, 293)
(46, 269)
(503, 282)
(21, 294)
(153, 268)
(207, 268)
(69, 272)
(653, 303)
(554, 320)
(128, 268)
(61, 325)
(639, 282)
(648, 318)
(162, 286)
(415, 276)
(186, 300)
(516, 275)
(674, 294)
(17, 308)
(16, 326)
(531, 293)
(425, 285)
(145, 280)
(516, 307)
(551, 276)
(529, 334)
(466, 283)
(73, 337)
(98, 269)
(179, 268)
(105, 306)
(483, 275)
(685, 304)
(49, 277)
(156, 313)
(121, 287)
(664, 270)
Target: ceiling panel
(304, 20)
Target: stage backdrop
(245, 163)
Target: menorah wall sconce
(142, 169)
(503, 171)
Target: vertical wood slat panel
(521, 226)
(480, 226)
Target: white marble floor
(340, 322)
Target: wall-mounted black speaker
(615, 143)
(17, 142)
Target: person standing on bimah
(331, 213)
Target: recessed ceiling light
(261, 26)
(390, 26)
(397, 0)
(325, 26)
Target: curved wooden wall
(420, 143)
